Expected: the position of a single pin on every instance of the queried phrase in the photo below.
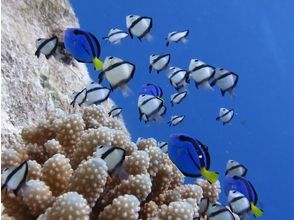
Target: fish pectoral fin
(212, 177)
(257, 212)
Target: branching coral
(68, 180)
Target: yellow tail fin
(257, 212)
(212, 177)
(97, 63)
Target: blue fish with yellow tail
(191, 157)
(244, 186)
(83, 46)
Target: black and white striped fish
(178, 97)
(225, 115)
(235, 168)
(113, 156)
(225, 80)
(115, 111)
(178, 77)
(158, 62)
(177, 36)
(217, 211)
(163, 146)
(79, 97)
(118, 73)
(151, 108)
(203, 206)
(238, 203)
(115, 35)
(176, 119)
(139, 26)
(14, 178)
(96, 94)
(201, 73)
(46, 46)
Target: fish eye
(110, 58)
(153, 55)
(196, 60)
(234, 191)
(100, 146)
(39, 39)
(221, 69)
(214, 205)
(131, 16)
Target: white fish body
(201, 73)
(219, 212)
(141, 28)
(158, 62)
(238, 203)
(176, 119)
(79, 98)
(225, 115)
(177, 36)
(235, 168)
(117, 71)
(115, 111)
(115, 35)
(96, 93)
(177, 77)
(226, 83)
(150, 106)
(163, 146)
(46, 46)
(178, 97)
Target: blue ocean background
(254, 38)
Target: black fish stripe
(237, 199)
(223, 76)
(254, 192)
(200, 159)
(236, 167)
(223, 115)
(79, 32)
(38, 51)
(147, 30)
(182, 117)
(137, 21)
(176, 72)
(108, 152)
(97, 54)
(159, 58)
(76, 96)
(119, 32)
(234, 85)
(178, 94)
(95, 89)
(110, 113)
(162, 146)
(219, 212)
(178, 84)
(207, 155)
(248, 186)
(201, 67)
(177, 32)
(156, 110)
(23, 180)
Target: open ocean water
(255, 39)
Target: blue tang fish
(190, 156)
(83, 46)
(242, 185)
(151, 89)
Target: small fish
(177, 36)
(235, 168)
(46, 46)
(151, 89)
(176, 119)
(118, 73)
(225, 79)
(178, 77)
(163, 146)
(79, 97)
(14, 178)
(113, 156)
(219, 212)
(238, 203)
(203, 206)
(178, 97)
(191, 157)
(83, 46)
(158, 62)
(244, 186)
(115, 36)
(96, 94)
(114, 112)
(139, 26)
(151, 108)
(225, 115)
(201, 73)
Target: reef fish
(115, 111)
(219, 212)
(201, 73)
(14, 178)
(225, 115)
(177, 36)
(225, 80)
(178, 77)
(178, 97)
(139, 26)
(158, 62)
(238, 203)
(113, 156)
(176, 119)
(151, 89)
(79, 97)
(244, 186)
(96, 94)
(190, 156)
(83, 46)
(151, 108)
(46, 46)
(235, 168)
(115, 35)
(118, 73)
(163, 146)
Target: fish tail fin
(257, 212)
(167, 43)
(149, 37)
(212, 177)
(126, 91)
(97, 63)
(207, 86)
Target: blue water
(254, 38)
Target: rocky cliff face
(30, 86)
